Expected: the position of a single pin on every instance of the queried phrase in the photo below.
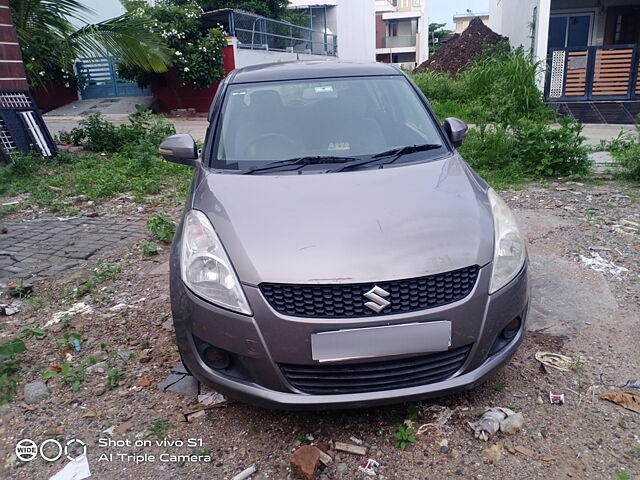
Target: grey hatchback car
(335, 249)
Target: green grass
(159, 429)
(53, 184)
(161, 226)
(404, 437)
(34, 302)
(113, 378)
(101, 273)
(149, 249)
(513, 142)
(9, 368)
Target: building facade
(351, 21)
(461, 20)
(590, 48)
(402, 32)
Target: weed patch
(161, 226)
(113, 378)
(9, 368)
(132, 166)
(404, 437)
(514, 141)
(149, 249)
(159, 429)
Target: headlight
(509, 249)
(205, 267)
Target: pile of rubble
(462, 49)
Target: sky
(440, 11)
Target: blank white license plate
(381, 341)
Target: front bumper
(258, 344)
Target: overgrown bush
(96, 134)
(499, 88)
(513, 140)
(57, 184)
(512, 154)
(196, 54)
(627, 155)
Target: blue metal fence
(99, 79)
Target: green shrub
(543, 150)
(149, 249)
(513, 140)
(626, 151)
(507, 156)
(629, 160)
(9, 368)
(499, 88)
(94, 133)
(162, 226)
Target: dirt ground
(590, 316)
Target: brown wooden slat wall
(612, 72)
(576, 78)
(12, 73)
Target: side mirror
(180, 148)
(456, 130)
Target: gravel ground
(586, 438)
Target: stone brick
(304, 461)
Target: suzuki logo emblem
(378, 302)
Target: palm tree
(128, 38)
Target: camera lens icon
(26, 450)
(50, 450)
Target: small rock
(124, 355)
(180, 383)
(539, 400)
(96, 368)
(512, 424)
(444, 446)
(35, 392)
(12, 460)
(342, 468)
(144, 382)
(304, 461)
(168, 325)
(509, 447)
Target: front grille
(375, 376)
(348, 300)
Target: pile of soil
(462, 49)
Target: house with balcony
(462, 20)
(590, 50)
(402, 32)
(351, 22)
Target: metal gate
(99, 79)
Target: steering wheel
(270, 144)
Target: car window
(357, 116)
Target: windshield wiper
(300, 162)
(396, 153)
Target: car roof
(309, 69)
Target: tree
(50, 43)
(436, 34)
(276, 9)
(196, 54)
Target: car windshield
(355, 118)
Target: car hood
(350, 227)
